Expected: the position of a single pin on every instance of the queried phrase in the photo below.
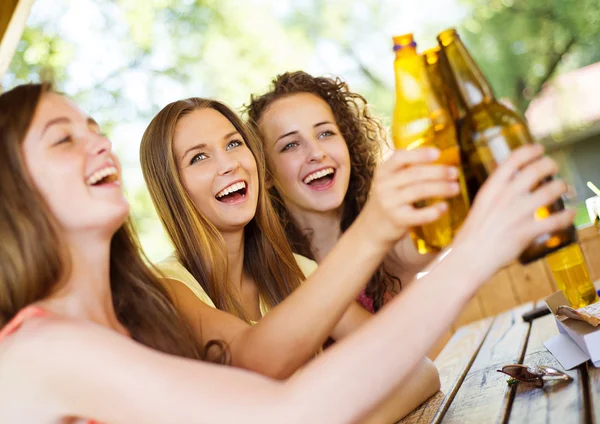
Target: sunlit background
(123, 60)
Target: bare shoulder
(29, 357)
(49, 342)
(52, 368)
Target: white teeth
(100, 174)
(317, 175)
(230, 189)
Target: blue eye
(326, 133)
(233, 144)
(198, 158)
(289, 146)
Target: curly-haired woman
(322, 147)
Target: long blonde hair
(198, 244)
(31, 265)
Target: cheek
(198, 187)
(249, 164)
(341, 153)
(60, 189)
(287, 168)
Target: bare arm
(405, 262)
(291, 333)
(423, 382)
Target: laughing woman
(322, 147)
(232, 263)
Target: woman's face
(217, 168)
(71, 163)
(306, 153)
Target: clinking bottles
(488, 131)
(422, 120)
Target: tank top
(14, 324)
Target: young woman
(322, 147)
(86, 332)
(233, 263)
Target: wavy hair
(364, 135)
(31, 263)
(198, 244)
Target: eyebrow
(296, 132)
(194, 147)
(203, 145)
(65, 120)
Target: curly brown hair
(364, 135)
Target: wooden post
(13, 16)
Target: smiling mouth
(106, 175)
(320, 179)
(233, 193)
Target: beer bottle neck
(412, 87)
(473, 89)
(412, 119)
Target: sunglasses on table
(534, 374)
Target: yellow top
(171, 268)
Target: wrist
(467, 256)
(371, 232)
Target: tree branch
(364, 69)
(552, 65)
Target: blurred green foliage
(134, 56)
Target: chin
(234, 224)
(327, 204)
(118, 216)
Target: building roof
(569, 104)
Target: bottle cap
(432, 55)
(404, 40)
(445, 37)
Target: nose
(228, 165)
(98, 144)
(316, 154)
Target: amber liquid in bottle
(572, 276)
(489, 131)
(421, 121)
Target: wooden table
(474, 392)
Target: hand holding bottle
(405, 178)
(502, 221)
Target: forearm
(406, 262)
(423, 383)
(290, 334)
(407, 330)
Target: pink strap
(15, 323)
